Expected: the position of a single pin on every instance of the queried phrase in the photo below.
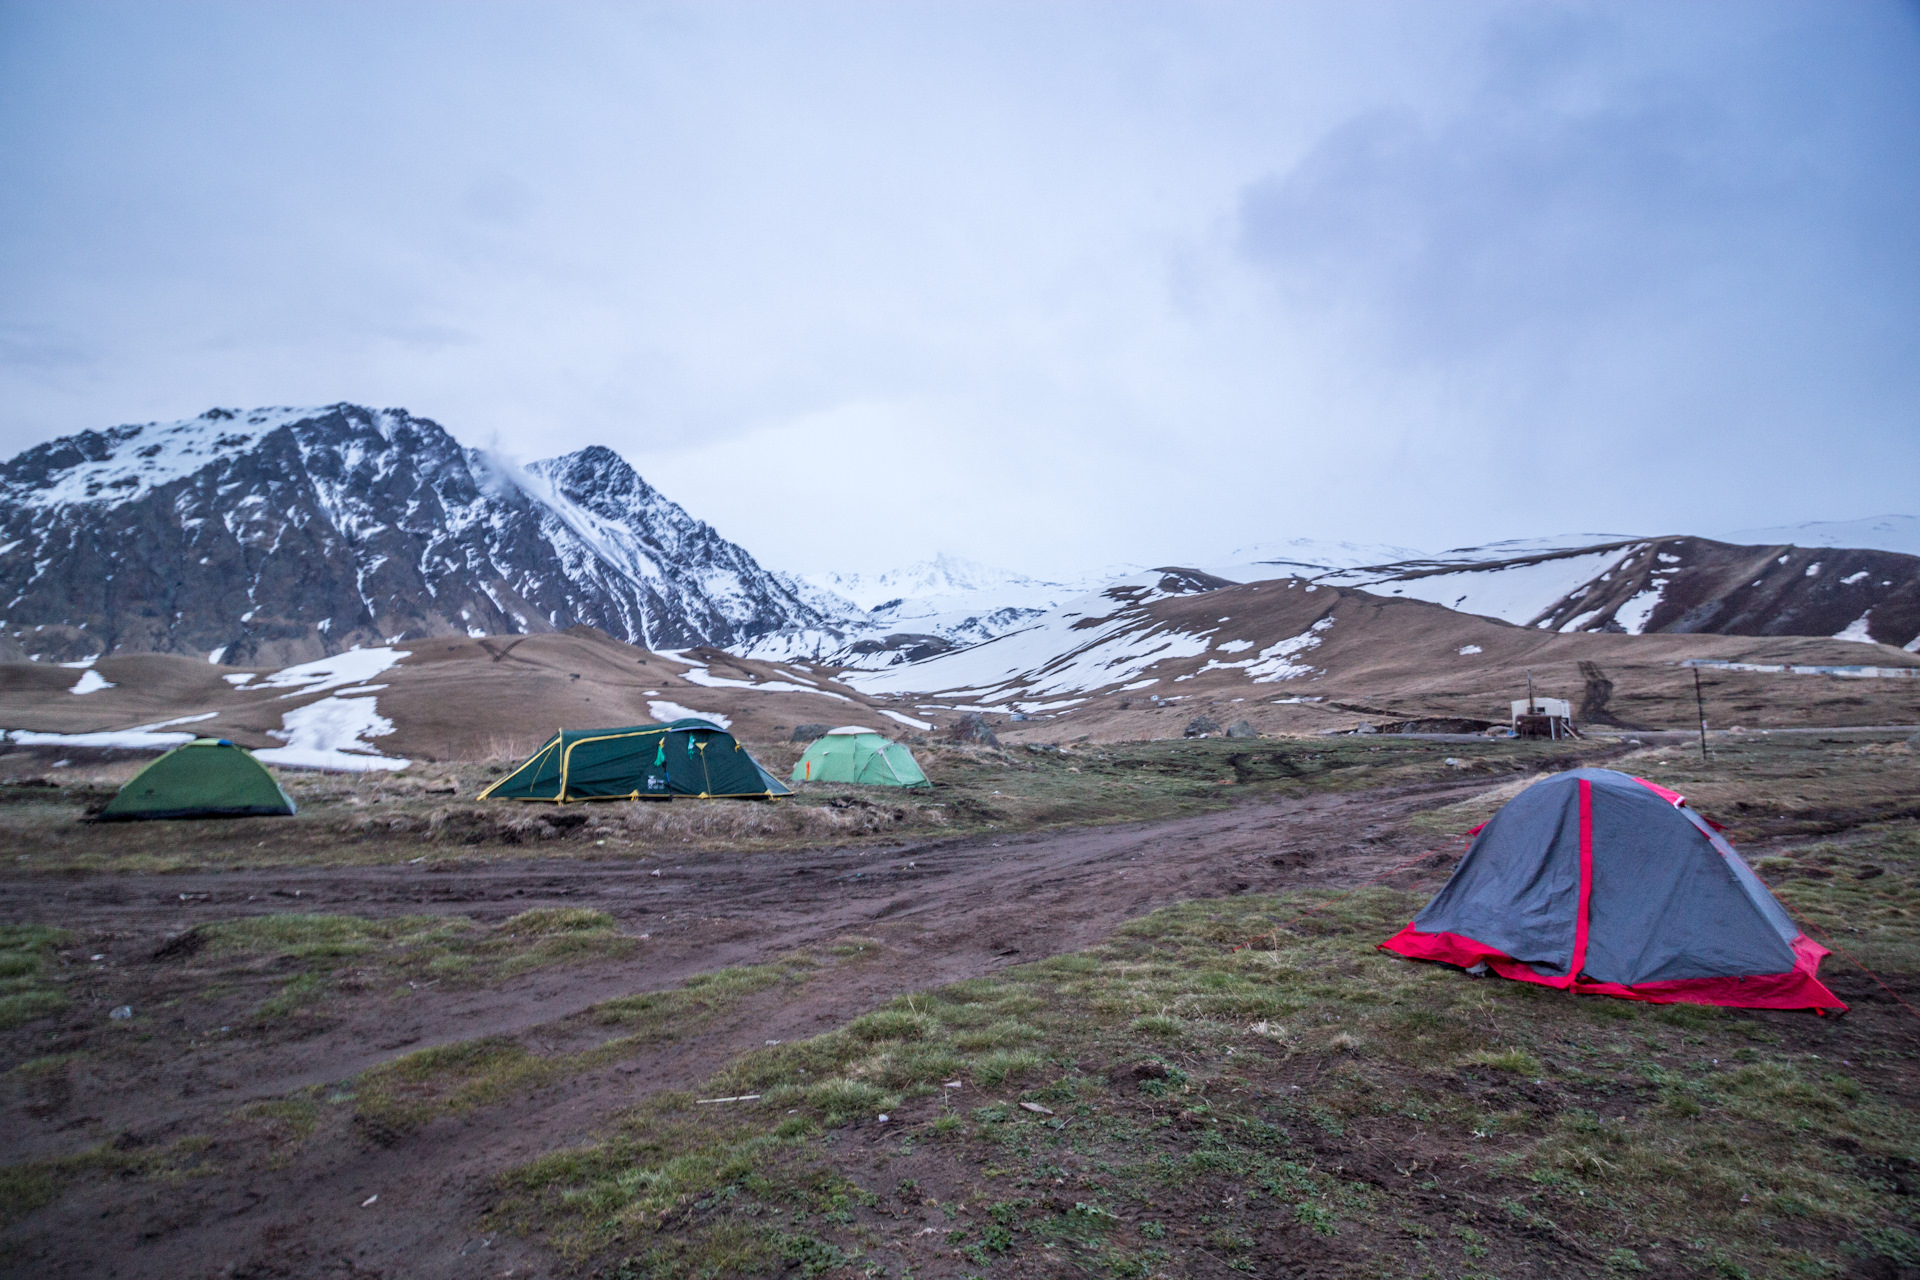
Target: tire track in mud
(941, 910)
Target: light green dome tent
(853, 754)
(208, 777)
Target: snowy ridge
(949, 599)
(124, 464)
(1877, 533)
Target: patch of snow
(162, 724)
(1854, 578)
(909, 721)
(1276, 661)
(705, 678)
(1467, 650)
(1856, 630)
(665, 712)
(81, 665)
(216, 655)
(356, 666)
(1516, 593)
(89, 682)
(1235, 646)
(331, 734)
(237, 681)
(1634, 613)
(125, 739)
(1813, 570)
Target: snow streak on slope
(1516, 591)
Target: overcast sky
(1047, 285)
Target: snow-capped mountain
(901, 615)
(285, 534)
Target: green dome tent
(853, 754)
(639, 762)
(208, 777)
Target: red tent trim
(1798, 988)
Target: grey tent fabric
(1667, 899)
(1671, 900)
(1518, 889)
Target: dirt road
(940, 911)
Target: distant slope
(280, 534)
(1679, 585)
(1146, 656)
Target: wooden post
(1700, 704)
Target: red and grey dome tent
(1601, 883)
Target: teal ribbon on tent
(660, 756)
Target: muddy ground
(202, 1135)
(935, 911)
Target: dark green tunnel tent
(208, 777)
(639, 762)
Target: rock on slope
(282, 534)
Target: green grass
(1575, 1126)
(403, 1094)
(403, 950)
(28, 968)
(29, 1184)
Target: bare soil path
(941, 911)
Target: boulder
(1201, 726)
(808, 732)
(973, 727)
(1242, 729)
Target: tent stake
(1700, 704)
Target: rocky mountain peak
(282, 534)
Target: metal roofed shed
(1543, 718)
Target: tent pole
(1700, 704)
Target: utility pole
(1700, 704)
